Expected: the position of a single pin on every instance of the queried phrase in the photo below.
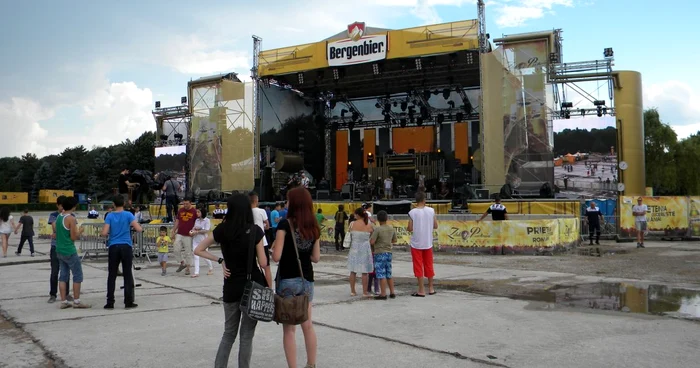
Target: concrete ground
(476, 319)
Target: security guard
(497, 210)
(594, 218)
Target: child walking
(381, 240)
(163, 242)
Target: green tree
(687, 157)
(660, 145)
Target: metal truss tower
(257, 105)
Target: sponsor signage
(357, 48)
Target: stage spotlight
(336, 74)
(404, 105)
(553, 58)
(378, 105)
(436, 92)
(605, 110)
(583, 112)
(440, 118)
(468, 107)
(178, 136)
(355, 116)
(163, 137)
(460, 117)
(387, 107)
(396, 103)
(567, 114)
(608, 52)
(343, 112)
(183, 100)
(599, 103)
(157, 104)
(402, 122)
(424, 112)
(376, 69)
(451, 103)
(300, 76)
(419, 121)
(351, 125)
(426, 95)
(567, 105)
(332, 104)
(599, 111)
(387, 119)
(419, 64)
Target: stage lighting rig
(608, 52)
(451, 103)
(404, 105)
(403, 122)
(183, 100)
(460, 117)
(419, 121)
(419, 64)
(440, 118)
(178, 138)
(300, 76)
(342, 113)
(446, 93)
(376, 69)
(378, 105)
(157, 104)
(599, 106)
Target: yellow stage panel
(293, 59)
(433, 39)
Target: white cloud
(678, 104)
(523, 10)
(193, 55)
(20, 123)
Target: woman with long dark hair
(199, 232)
(307, 233)
(234, 236)
(7, 225)
(360, 254)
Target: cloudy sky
(88, 72)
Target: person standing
(360, 254)
(7, 226)
(67, 233)
(593, 219)
(123, 184)
(421, 223)
(640, 221)
(340, 217)
(171, 188)
(26, 222)
(199, 232)
(301, 225)
(260, 219)
(497, 211)
(184, 223)
(388, 184)
(274, 220)
(234, 234)
(381, 240)
(53, 279)
(120, 251)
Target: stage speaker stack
(392, 207)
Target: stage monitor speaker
(322, 195)
(392, 207)
(288, 162)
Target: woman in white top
(360, 255)
(200, 230)
(7, 224)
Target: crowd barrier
(464, 233)
(672, 217)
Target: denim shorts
(162, 257)
(297, 286)
(67, 265)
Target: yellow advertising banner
(293, 59)
(516, 235)
(694, 218)
(667, 216)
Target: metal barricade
(146, 240)
(608, 229)
(91, 243)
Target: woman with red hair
(301, 224)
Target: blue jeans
(70, 264)
(297, 286)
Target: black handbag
(258, 301)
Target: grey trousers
(233, 318)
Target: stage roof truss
(173, 120)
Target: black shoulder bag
(258, 301)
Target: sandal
(195, 275)
(418, 295)
(433, 293)
(380, 297)
(211, 272)
(392, 296)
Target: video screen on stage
(172, 161)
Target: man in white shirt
(260, 219)
(640, 221)
(305, 181)
(388, 184)
(421, 223)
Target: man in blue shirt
(120, 246)
(283, 212)
(53, 280)
(274, 220)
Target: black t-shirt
(27, 225)
(123, 188)
(593, 215)
(288, 266)
(234, 247)
(497, 211)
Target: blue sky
(88, 72)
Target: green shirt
(320, 218)
(64, 244)
(383, 236)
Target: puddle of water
(624, 297)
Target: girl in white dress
(7, 224)
(360, 255)
(201, 228)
